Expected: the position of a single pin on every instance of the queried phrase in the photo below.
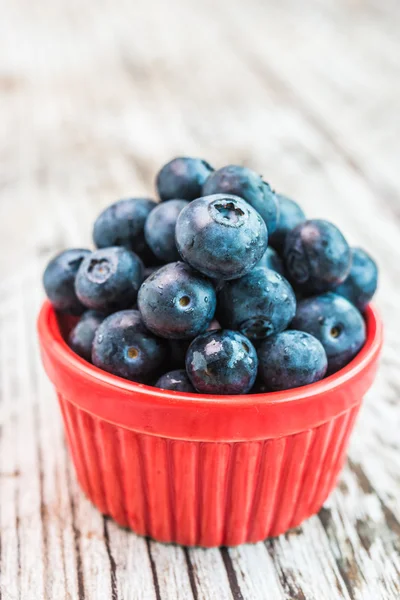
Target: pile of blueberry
(224, 287)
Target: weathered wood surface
(93, 97)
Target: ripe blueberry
(59, 280)
(109, 279)
(82, 335)
(259, 304)
(182, 177)
(159, 229)
(245, 183)
(177, 302)
(290, 215)
(317, 257)
(221, 236)
(291, 359)
(361, 283)
(336, 323)
(122, 224)
(123, 346)
(222, 362)
(178, 381)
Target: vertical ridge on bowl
(341, 451)
(270, 475)
(107, 446)
(342, 423)
(74, 446)
(157, 470)
(320, 444)
(213, 469)
(296, 457)
(245, 460)
(185, 487)
(86, 430)
(133, 477)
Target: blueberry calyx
(227, 213)
(99, 270)
(257, 328)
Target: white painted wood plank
(256, 574)
(133, 574)
(29, 499)
(9, 468)
(210, 575)
(172, 572)
(60, 553)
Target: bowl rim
(52, 340)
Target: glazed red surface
(202, 417)
(205, 470)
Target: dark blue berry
(222, 362)
(177, 381)
(317, 257)
(177, 302)
(271, 260)
(259, 304)
(178, 348)
(290, 215)
(122, 224)
(82, 335)
(59, 280)
(221, 236)
(291, 359)
(109, 279)
(245, 183)
(336, 323)
(182, 177)
(361, 283)
(123, 346)
(159, 229)
(147, 271)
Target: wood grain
(94, 97)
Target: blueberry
(336, 323)
(176, 302)
(159, 229)
(221, 236)
(245, 183)
(290, 215)
(271, 260)
(259, 304)
(82, 335)
(109, 279)
(222, 362)
(123, 346)
(182, 177)
(59, 280)
(147, 271)
(317, 257)
(291, 359)
(122, 224)
(361, 283)
(177, 381)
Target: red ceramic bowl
(205, 470)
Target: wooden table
(96, 95)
